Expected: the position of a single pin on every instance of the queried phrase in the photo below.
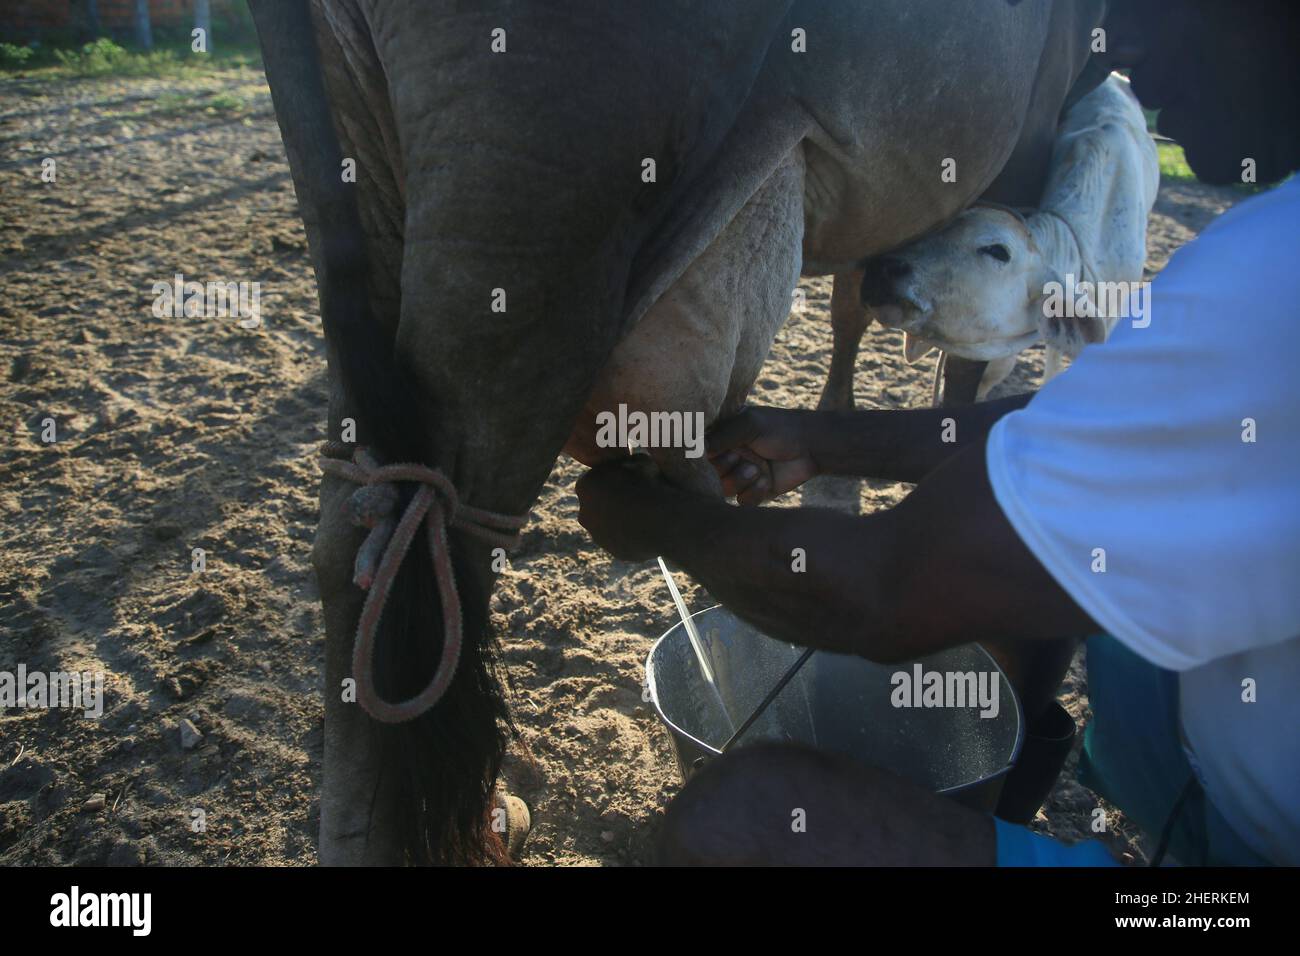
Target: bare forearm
(943, 568)
(809, 576)
(902, 445)
(962, 571)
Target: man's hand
(763, 452)
(620, 503)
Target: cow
(560, 207)
(998, 279)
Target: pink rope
(436, 506)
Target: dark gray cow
(500, 147)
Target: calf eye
(997, 251)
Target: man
(1148, 500)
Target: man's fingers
(725, 461)
(641, 464)
(594, 479)
(736, 431)
(742, 470)
(734, 487)
(759, 490)
(751, 481)
(746, 493)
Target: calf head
(974, 289)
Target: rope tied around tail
(436, 506)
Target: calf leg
(961, 380)
(849, 321)
(994, 375)
(1052, 363)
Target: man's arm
(763, 452)
(941, 569)
(906, 444)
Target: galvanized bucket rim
(715, 752)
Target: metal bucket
(836, 702)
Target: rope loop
(435, 506)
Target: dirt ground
(176, 434)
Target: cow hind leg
(849, 322)
(512, 282)
(350, 833)
(417, 791)
(358, 823)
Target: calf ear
(1067, 320)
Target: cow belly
(698, 350)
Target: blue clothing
(1132, 756)
(1021, 846)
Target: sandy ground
(176, 434)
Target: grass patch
(189, 103)
(14, 57)
(1173, 164)
(1174, 168)
(104, 58)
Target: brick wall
(30, 16)
(121, 13)
(37, 14)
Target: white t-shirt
(1139, 449)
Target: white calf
(986, 286)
